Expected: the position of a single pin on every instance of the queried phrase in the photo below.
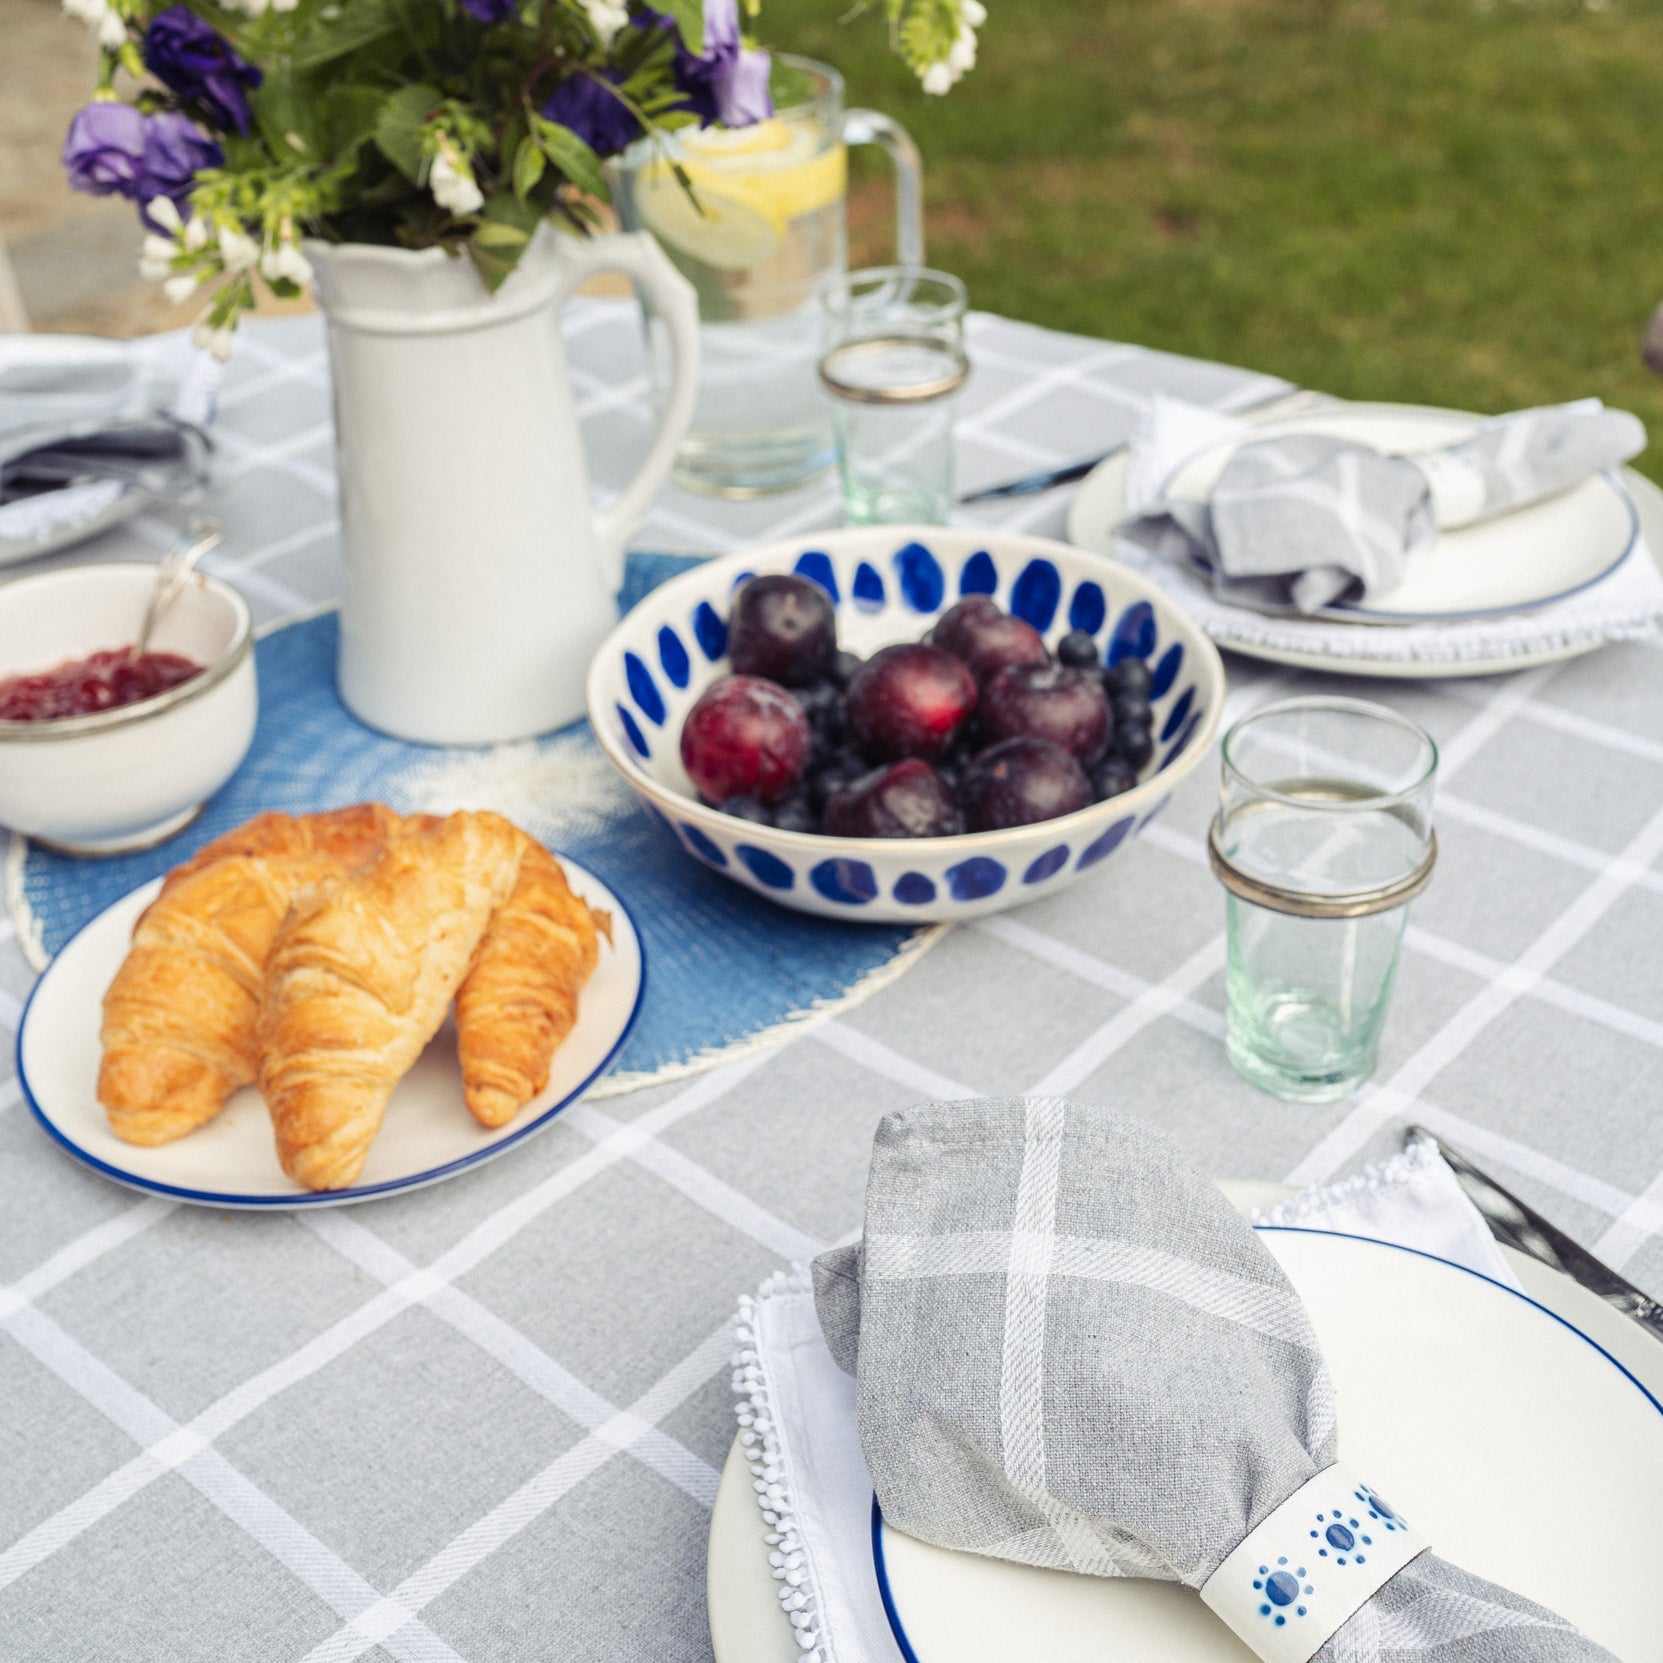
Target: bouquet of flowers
(240, 126)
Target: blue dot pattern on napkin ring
(1282, 1589)
(1342, 1538)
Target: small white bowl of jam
(101, 752)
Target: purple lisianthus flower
(103, 150)
(586, 104)
(175, 151)
(193, 59)
(491, 11)
(726, 82)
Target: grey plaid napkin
(1307, 519)
(1071, 1351)
(75, 417)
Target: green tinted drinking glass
(1323, 837)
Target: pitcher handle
(638, 257)
(872, 127)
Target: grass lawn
(1446, 201)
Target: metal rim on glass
(1357, 903)
(916, 392)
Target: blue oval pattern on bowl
(913, 580)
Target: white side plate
(1498, 1425)
(428, 1134)
(1099, 505)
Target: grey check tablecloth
(485, 1421)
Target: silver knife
(1522, 1227)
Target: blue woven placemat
(725, 969)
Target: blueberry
(1111, 776)
(796, 814)
(1135, 743)
(1077, 650)
(823, 705)
(1131, 710)
(843, 769)
(1130, 675)
(747, 808)
(844, 666)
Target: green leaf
(350, 114)
(505, 228)
(398, 128)
(572, 156)
(285, 112)
(529, 163)
(354, 23)
(689, 16)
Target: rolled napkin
(71, 412)
(1070, 1351)
(1306, 519)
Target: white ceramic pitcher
(479, 578)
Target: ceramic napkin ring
(1310, 1565)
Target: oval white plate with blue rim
(428, 1134)
(1523, 1436)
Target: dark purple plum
(987, 639)
(908, 701)
(1130, 675)
(1021, 780)
(1135, 744)
(782, 627)
(1048, 701)
(1111, 776)
(1078, 650)
(745, 737)
(905, 799)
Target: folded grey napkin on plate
(1306, 519)
(81, 416)
(1070, 1351)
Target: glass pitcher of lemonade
(769, 228)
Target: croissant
(179, 1017)
(519, 998)
(360, 978)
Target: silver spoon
(201, 534)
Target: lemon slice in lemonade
(750, 184)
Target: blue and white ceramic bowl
(888, 583)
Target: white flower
(961, 57)
(156, 257)
(164, 211)
(237, 250)
(606, 17)
(112, 30)
(937, 79)
(217, 341)
(284, 260)
(452, 182)
(973, 12)
(179, 289)
(195, 236)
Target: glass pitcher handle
(871, 127)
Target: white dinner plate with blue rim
(427, 1136)
(1522, 1435)
(1518, 562)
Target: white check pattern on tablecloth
(485, 1421)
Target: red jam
(84, 685)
